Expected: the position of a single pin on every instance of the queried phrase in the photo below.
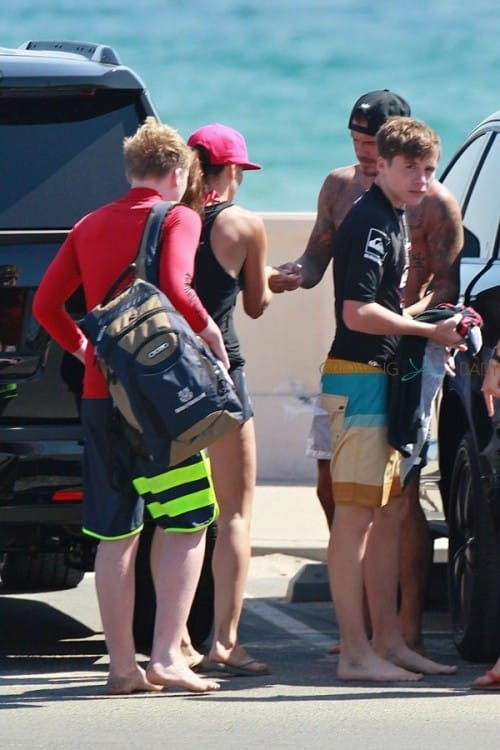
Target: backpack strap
(144, 265)
(145, 262)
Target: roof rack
(95, 52)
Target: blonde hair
(194, 196)
(405, 136)
(154, 150)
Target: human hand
(491, 386)
(449, 364)
(445, 332)
(212, 336)
(285, 278)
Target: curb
(310, 584)
(316, 552)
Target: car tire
(200, 621)
(473, 561)
(39, 571)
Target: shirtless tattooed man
(436, 241)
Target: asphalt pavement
(53, 665)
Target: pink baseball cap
(223, 144)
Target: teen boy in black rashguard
(370, 251)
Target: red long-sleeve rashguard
(98, 248)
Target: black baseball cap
(376, 107)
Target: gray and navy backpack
(175, 396)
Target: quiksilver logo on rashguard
(375, 246)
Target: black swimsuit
(217, 289)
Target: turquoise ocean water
(286, 72)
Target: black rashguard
(216, 288)
(370, 262)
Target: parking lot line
(295, 628)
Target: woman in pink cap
(231, 259)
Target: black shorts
(240, 382)
(180, 498)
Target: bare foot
(236, 659)
(135, 682)
(192, 656)
(372, 667)
(179, 675)
(335, 649)
(416, 645)
(408, 659)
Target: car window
(481, 212)
(458, 176)
(63, 156)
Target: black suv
(469, 441)
(65, 108)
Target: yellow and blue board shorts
(179, 499)
(364, 467)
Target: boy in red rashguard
(99, 247)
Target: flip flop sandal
(242, 670)
(493, 684)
